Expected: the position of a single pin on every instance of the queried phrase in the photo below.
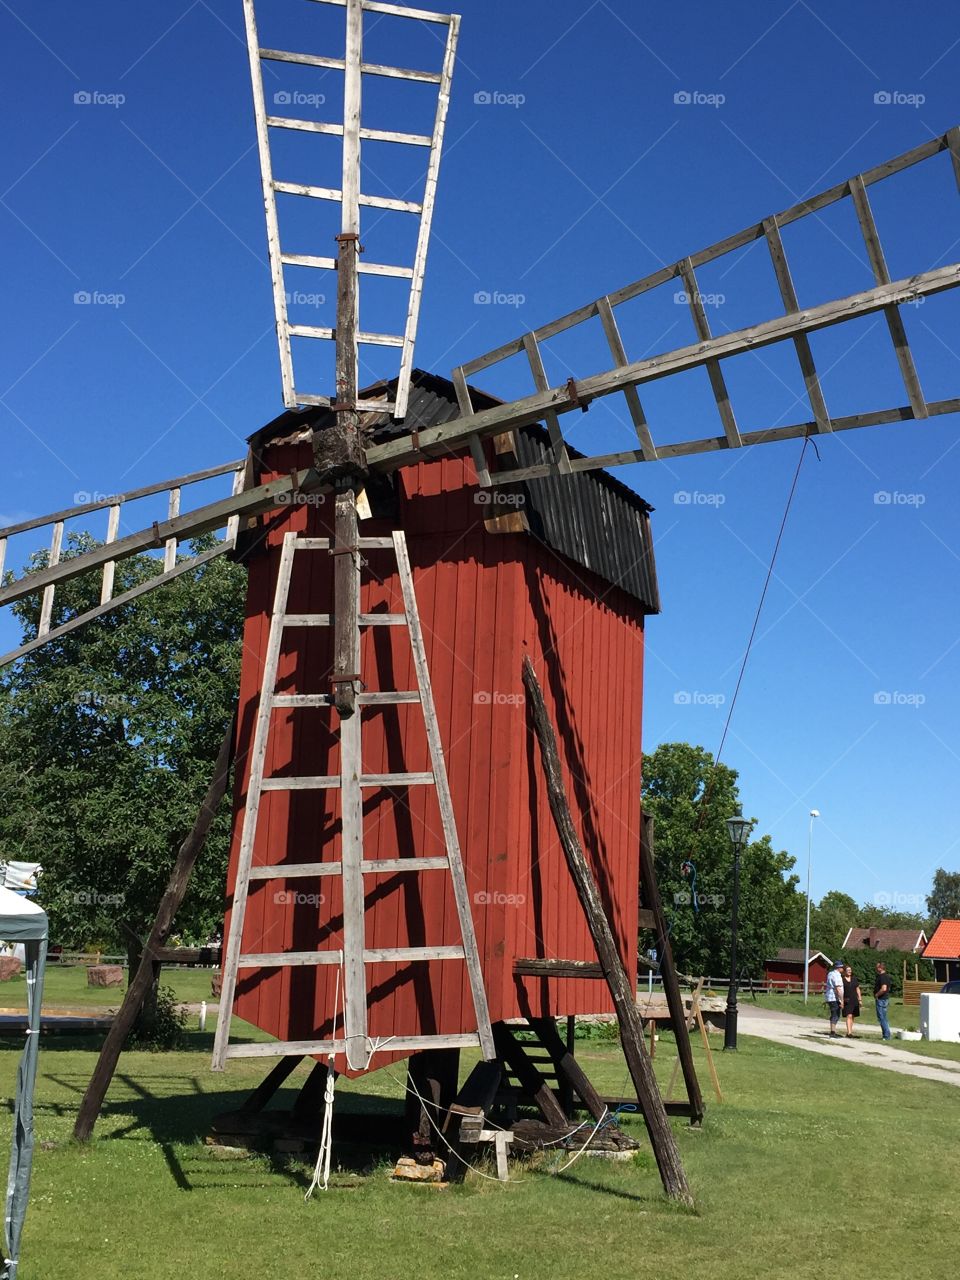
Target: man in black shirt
(881, 994)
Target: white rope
(590, 1138)
(410, 1088)
(321, 1170)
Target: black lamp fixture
(738, 828)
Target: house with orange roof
(944, 950)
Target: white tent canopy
(22, 921)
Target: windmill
(339, 446)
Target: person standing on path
(833, 994)
(881, 994)
(851, 998)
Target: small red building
(561, 569)
(786, 970)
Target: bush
(162, 1028)
(863, 965)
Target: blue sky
(573, 165)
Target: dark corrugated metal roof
(590, 518)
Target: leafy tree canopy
(690, 798)
(108, 737)
(944, 900)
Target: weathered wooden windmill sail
(349, 196)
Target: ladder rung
(301, 784)
(370, 339)
(324, 544)
(397, 779)
(371, 955)
(373, 866)
(293, 870)
(400, 73)
(377, 955)
(283, 1048)
(326, 619)
(364, 699)
(330, 781)
(302, 59)
(376, 866)
(287, 959)
(334, 193)
(370, 135)
(305, 126)
(387, 135)
(330, 264)
(395, 1044)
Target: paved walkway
(867, 1048)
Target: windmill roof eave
(589, 517)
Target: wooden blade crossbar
(349, 195)
(113, 548)
(625, 376)
(352, 867)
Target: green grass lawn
(147, 1200)
(66, 988)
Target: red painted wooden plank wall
(485, 599)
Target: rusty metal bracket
(346, 236)
(573, 394)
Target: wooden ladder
(358, 1046)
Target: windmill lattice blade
(99, 563)
(348, 195)
(626, 376)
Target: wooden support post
(269, 1086)
(698, 1018)
(668, 969)
(139, 984)
(624, 998)
(309, 1103)
(431, 1074)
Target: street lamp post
(739, 829)
(814, 813)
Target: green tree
(108, 737)
(830, 920)
(944, 900)
(690, 798)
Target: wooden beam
(714, 372)
(532, 408)
(170, 903)
(270, 206)
(878, 264)
(801, 342)
(624, 997)
(668, 969)
(543, 968)
(264, 1091)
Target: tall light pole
(814, 813)
(739, 829)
